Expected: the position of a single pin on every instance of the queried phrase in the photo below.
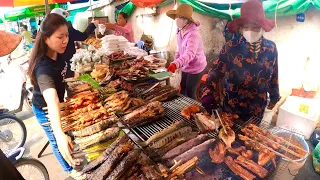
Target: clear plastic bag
(175, 79)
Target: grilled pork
(95, 128)
(238, 170)
(185, 147)
(144, 114)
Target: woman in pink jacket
(190, 56)
(122, 27)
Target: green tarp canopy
(221, 9)
(18, 14)
(128, 8)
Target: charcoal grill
(173, 110)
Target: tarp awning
(226, 9)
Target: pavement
(36, 139)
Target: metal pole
(47, 6)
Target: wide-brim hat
(8, 42)
(251, 12)
(183, 10)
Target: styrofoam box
(301, 122)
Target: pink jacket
(125, 31)
(190, 56)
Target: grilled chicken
(188, 111)
(217, 155)
(264, 157)
(228, 138)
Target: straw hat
(251, 12)
(184, 10)
(8, 42)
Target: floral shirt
(247, 73)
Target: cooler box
(300, 115)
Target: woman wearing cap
(47, 75)
(122, 27)
(247, 65)
(190, 55)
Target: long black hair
(48, 26)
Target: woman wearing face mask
(47, 74)
(190, 55)
(247, 67)
(122, 27)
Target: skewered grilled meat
(228, 138)
(124, 165)
(186, 112)
(238, 170)
(217, 155)
(170, 137)
(164, 170)
(94, 128)
(204, 122)
(195, 151)
(150, 173)
(131, 172)
(264, 157)
(185, 147)
(168, 130)
(113, 159)
(92, 165)
(252, 166)
(180, 170)
(114, 84)
(105, 135)
(144, 114)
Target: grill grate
(173, 110)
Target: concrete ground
(36, 139)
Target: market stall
(127, 124)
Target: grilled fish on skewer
(228, 138)
(252, 166)
(238, 170)
(204, 122)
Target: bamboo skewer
(281, 146)
(285, 142)
(266, 147)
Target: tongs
(216, 111)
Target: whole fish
(168, 130)
(170, 137)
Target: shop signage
(301, 17)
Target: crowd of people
(241, 80)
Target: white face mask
(252, 36)
(181, 22)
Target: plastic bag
(175, 79)
(316, 158)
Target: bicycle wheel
(13, 133)
(32, 169)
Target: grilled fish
(185, 146)
(120, 140)
(144, 114)
(170, 137)
(193, 152)
(105, 135)
(204, 122)
(176, 142)
(228, 138)
(151, 173)
(166, 95)
(95, 128)
(124, 165)
(113, 159)
(168, 130)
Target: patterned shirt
(247, 73)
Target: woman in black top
(47, 75)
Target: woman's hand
(172, 68)
(65, 147)
(109, 26)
